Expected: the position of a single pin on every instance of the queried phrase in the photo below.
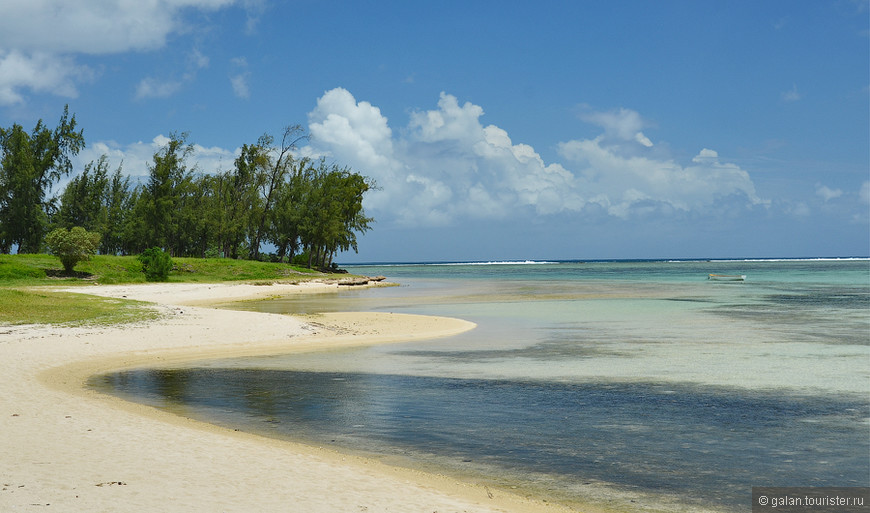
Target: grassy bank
(26, 283)
(34, 270)
(42, 306)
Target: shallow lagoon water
(639, 381)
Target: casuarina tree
(30, 164)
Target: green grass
(30, 270)
(26, 297)
(34, 306)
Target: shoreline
(76, 449)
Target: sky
(495, 130)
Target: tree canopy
(30, 163)
(270, 197)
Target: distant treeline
(270, 196)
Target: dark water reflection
(578, 378)
(704, 444)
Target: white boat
(726, 277)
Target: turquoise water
(611, 381)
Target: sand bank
(66, 448)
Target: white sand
(64, 448)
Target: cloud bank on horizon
(446, 165)
(443, 166)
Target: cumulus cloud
(450, 122)
(39, 39)
(352, 130)
(864, 193)
(826, 193)
(136, 157)
(620, 125)
(446, 165)
(40, 72)
(627, 185)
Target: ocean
(641, 384)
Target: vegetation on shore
(36, 270)
(304, 208)
(43, 306)
(27, 283)
(308, 210)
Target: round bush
(156, 264)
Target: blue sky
(495, 129)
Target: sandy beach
(67, 448)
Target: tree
(118, 204)
(84, 200)
(72, 246)
(197, 212)
(98, 202)
(272, 175)
(29, 165)
(167, 181)
(333, 212)
(239, 202)
(286, 220)
(270, 196)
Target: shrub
(72, 246)
(301, 259)
(156, 264)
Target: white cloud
(449, 123)
(619, 125)
(706, 155)
(446, 166)
(864, 193)
(630, 185)
(239, 81)
(94, 27)
(642, 139)
(254, 9)
(827, 194)
(792, 95)
(240, 85)
(352, 130)
(40, 38)
(133, 157)
(213, 159)
(40, 72)
(136, 157)
(799, 209)
(150, 87)
(84, 27)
